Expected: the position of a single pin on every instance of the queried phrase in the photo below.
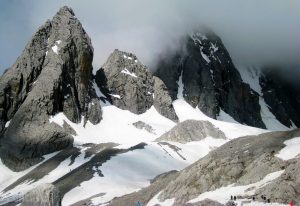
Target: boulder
(192, 130)
(42, 195)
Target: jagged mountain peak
(129, 84)
(125, 62)
(52, 75)
(211, 81)
(65, 11)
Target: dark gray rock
(94, 114)
(128, 84)
(42, 195)
(68, 128)
(210, 79)
(163, 101)
(191, 130)
(52, 75)
(16, 82)
(143, 125)
(282, 94)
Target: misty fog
(256, 32)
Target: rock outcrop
(282, 94)
(242, 161)
(129, 82)
(211, 81)
(191, 130)
(286, 187)
(52, 75)
(143, 125)
(129, 85)
(162, 100)
(42, 195)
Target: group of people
(263, 197)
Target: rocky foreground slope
(241, 164)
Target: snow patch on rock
(222, 194)
(291, 150)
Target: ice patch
(291, 150)
(7, 124)
(125, 71)
(204, 56)
(115, 96)
(223, 116)
(156, 201)
(269, 119)
(180, 87)
(55, 47)
(251, 76)
(214, 47)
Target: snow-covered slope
(132, 170)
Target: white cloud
(254, 31)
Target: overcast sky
(255, 32)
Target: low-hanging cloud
(256, 32)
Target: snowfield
(291, 150)
(133, 170)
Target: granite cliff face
(52, 75)
(282, 94)
(211, 81)
(129, 85)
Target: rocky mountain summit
(52, 75)
(211, 81)
(128, 84)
